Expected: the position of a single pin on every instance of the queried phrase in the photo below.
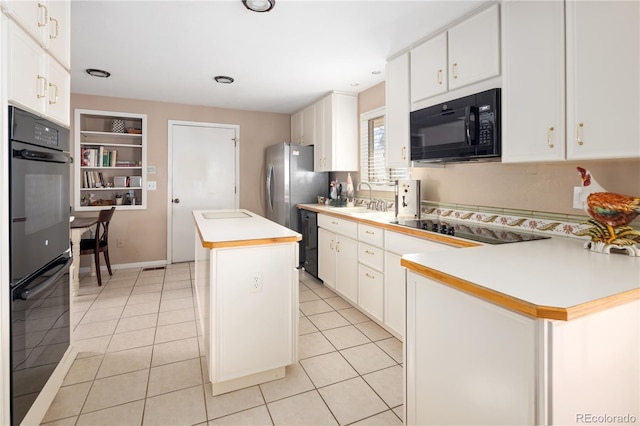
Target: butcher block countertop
(238, 228)
(554, 279)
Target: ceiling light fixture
(259, 5)
(97, 73)
(376, 72)
(223, 79)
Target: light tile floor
(140, 363)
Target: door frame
(170, 124)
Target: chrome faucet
(369, 185)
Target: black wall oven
(459, 130)
(40, 257)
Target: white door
(204, 175)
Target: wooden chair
(99, 244)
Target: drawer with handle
(371, 235)
(371, 256)
(339, 226)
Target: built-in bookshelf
(110, 160)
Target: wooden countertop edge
(246, 243)
(521, 306)
(396, 228)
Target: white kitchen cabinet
(603, 88)
(337, 147)
(327, 257)
(338, 255)
(371, 271)
(533, 97)
(396, 245)
(471, 361)
(303, 129)
(466, 53)
(308, 125)
(429, 68)
(397, 94)
(48, 22)
(296, 128)
(347, 268)
(474, 48)
(36, 81)
(371, 291)
(467, 361)
(596, 120)
(394, 293)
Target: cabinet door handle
(331, 245)
(549, 137)
(370, 232)
(439, 76)
(454, 71)
(338, 246)
(55, 96)
(46, 15)
(369, 252)
(579, 134)
(56, 26)
(404, 152)
(334, 223)
(44, 87)
(368, 275)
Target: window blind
(372, 154)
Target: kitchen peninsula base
(246, 293)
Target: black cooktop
(477, 233)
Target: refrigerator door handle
(269, 195)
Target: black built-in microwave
(458, 130)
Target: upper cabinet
(331, 126)
(303, 128)
(467, 53)
(603, 87)
(35, 80)
(599, 117)
(397, 112)
(38, 52)
(337, 148)
(533, 116)
(46, 21)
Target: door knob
(176, 201)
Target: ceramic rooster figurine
(614, 211)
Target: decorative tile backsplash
(557, 225)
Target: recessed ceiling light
(259, 5)
(223, 79)
(97, 73)
(376, 72)
(354, 84)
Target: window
(372, 151)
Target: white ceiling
(281, 60)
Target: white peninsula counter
(246, 292)
(540, 332)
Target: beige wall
(535, 187)
(144, 232)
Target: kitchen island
(246, 293)
(540, 332)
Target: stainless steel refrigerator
(290, 181)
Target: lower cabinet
(338, 263)
(473, 362)
(396, 245)
(394, 293)
(468, 362)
